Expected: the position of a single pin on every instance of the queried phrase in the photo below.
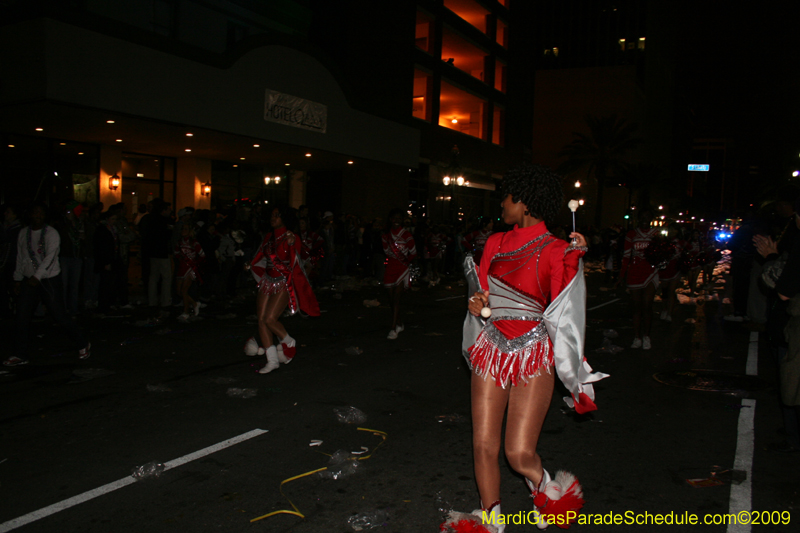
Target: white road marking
(741, 498)
(741, 495)
(601, 305)
(752, 355)
(118, 484)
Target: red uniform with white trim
(189, 254)
(636, 270)
(400, 250)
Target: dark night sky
(740, 73)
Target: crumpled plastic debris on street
(610, 333)
(235, 392)
(151, 470)
(454, 418)
(367, 520)
(609, 348)
(350, 415)
(341, 464)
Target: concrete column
(110, 164)
(193, 173)
(297, 188)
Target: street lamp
(578, 184)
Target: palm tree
(602, 151)
(640, 178)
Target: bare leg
(264, 333)
(394, 299)
(488, 405)
(183, 288)
(527, 409)
(273, 311)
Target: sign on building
(294, 111)
(699, 168)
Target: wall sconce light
(277, 180)
(113, 182)
(446, 180)
(207, 189)
(267, 180)
(460, 181)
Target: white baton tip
(486, 312)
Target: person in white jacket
(37, 279)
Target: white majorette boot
(559, 499)
(272, 361)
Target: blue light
(699, 168)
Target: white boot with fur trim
(557, 500)
(272, 361)
(478, 521)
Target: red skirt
(396, 272)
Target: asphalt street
(164, 392)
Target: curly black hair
(536, 186)
(288, 215)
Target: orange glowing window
(424, 31)
(502, 33)
(500, 75)
(499, 126)
(469, 10)
(462, 111)
(462, 54)
(423, 84)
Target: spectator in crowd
(91, 281)
(72, 234)
(37, 278)
(156, 242)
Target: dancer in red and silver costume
(281, 283)
(522, 274)
(641, 278)
(400, 250)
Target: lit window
(498, 126)
(423, 35)
(621, 44)
(500, 76)
(462, 54)
(422, 95)
(502, 34)
(467, 109)
(469, 10)
(641, 43)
